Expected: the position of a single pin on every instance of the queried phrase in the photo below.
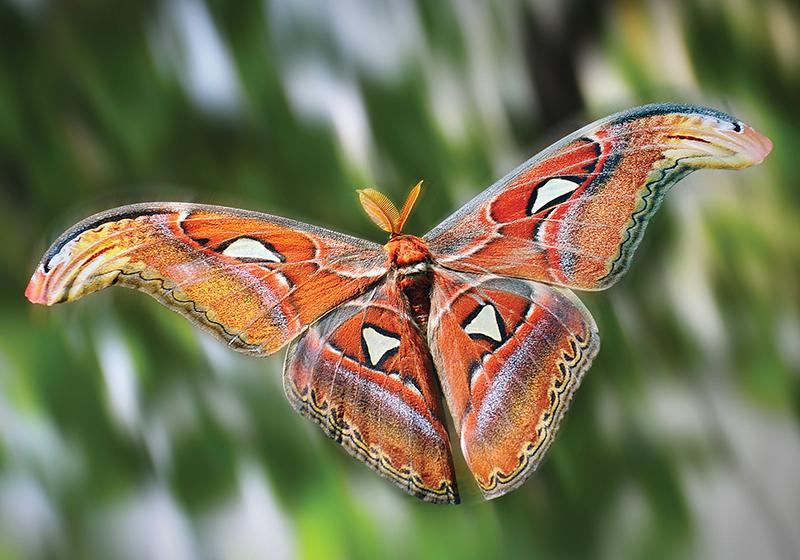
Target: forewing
(574, 214)
(252, 279)
(510, 354)
(364, 374)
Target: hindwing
(510, 354)
(364, 374)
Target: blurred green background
(126, 433)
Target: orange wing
(363, 373)
(252, 279)
(510, 354)
(574, 214)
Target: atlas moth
(476, 316)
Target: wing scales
(507, 396)
(574, 214)
(252, 279)
(363, 373)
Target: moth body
(411, 260)
(477, 314)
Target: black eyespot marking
(485, 323)
(378, 345)
(250, 249)
(555, 190)
(550, 193)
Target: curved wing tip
(43, 290)
(35, 292)
(755, 146)
(751, 146)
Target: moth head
(384, 213)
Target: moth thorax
(416, 288)
(407, 252)
(413, 269)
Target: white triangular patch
(247, 248)
(551, 190)
(485, 323)
(378, 344)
